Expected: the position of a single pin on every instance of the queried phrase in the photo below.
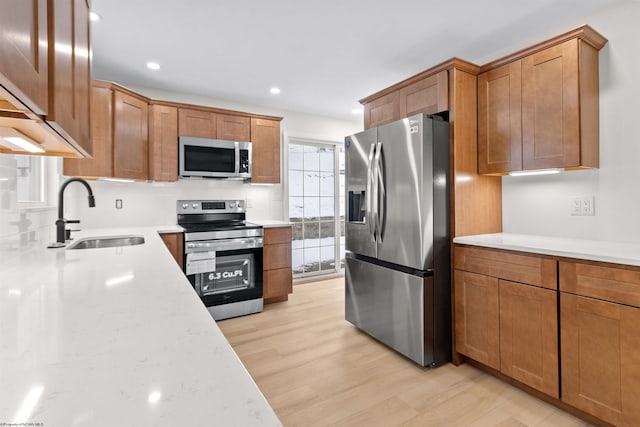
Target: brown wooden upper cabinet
(23, 52)
(163, 142)
(499, 124)
(538, 109)
(383, 110)
(130, 136)
(429, 95)
(265, 138)
(197, 123)
(120, 136)
(420, 94)
(70, 81)
(234, 128)
(101, 165)
(44, 74)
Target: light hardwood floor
(316, 369)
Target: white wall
(155, 203)
(540, 205)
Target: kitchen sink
(107, 242)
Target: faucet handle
(72, 221)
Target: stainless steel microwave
(214, 158)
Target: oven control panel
(210, 206)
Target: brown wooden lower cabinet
(509, 326)
(601, 358)
(529, 335)
(277, 272)
(477, 319)
(175, 244)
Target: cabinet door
(130, 137)
(277, 283)
(429, 95)
(69, 71)
(477, 317)
(163, 143)
(200, 124)
(101, 165)
(550, 108)
(383, 110)
(175, 244)
(23, 52)
(265, 138)
(529, 335)
(234, 128)
(500, 120)
(601, 358)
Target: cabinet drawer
(605, 283)
(277, 283)
(277, 235)
(277, 256)
(528, 269)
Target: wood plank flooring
(316, 369)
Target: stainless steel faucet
(62, 234)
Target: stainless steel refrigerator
(397, 236)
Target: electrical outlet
(582, 206)
(588, 207)
(576, 206)
(118, 203)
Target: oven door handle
(225, 245)
(201, 262)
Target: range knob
(194, 206)
(232, 205)
(185, 205)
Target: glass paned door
(315, 206)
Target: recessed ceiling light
(357, 111)
(94, 16)
(153, 65)
(274, 90)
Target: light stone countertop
(116, 337)
(593, 250)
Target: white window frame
(338, 271)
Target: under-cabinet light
(535, 172)
(117, 180)
(12, 138)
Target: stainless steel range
(223, 256)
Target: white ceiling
(325, 55)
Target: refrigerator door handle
(369, 214)
(381, 195)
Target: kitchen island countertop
(592, 250)
(115, 336)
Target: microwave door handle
(368, 217)
(381, 195)
(237, 157)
